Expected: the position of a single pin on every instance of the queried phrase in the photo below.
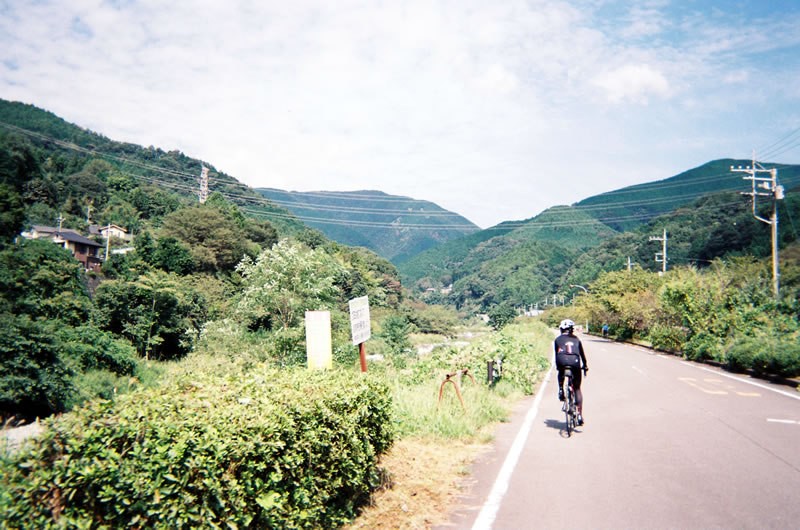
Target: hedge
(270, 449)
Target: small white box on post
(318, 340)
(360, 326)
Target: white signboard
(318, 339)
(359, 319)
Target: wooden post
(363, 354)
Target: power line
(787, 139)
(75, 147)
(357, 196)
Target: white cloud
(740, 76)
(633, 83)
(487, 108)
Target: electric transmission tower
(773, 190)
(663, 253)
(203, 185)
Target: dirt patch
(425, 480)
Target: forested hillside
(629, 207)
(192, 277)
(395, 227)
(64, 150)
(487, 269)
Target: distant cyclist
(569, 354)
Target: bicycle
(570, 408)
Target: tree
(12, 214)
(395, 331)
(501, 315)
(160, 313)
(47, 334)
(216, 242)
(155, 283)
(145, 247)
(280, 285)
(43, 280)
(34, 381)
(173, 256)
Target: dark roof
(44, 229)
(75, 238)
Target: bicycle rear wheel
(568, 409)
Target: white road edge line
(492, 505)
(638, 370)
(790, 422)
(765, 387)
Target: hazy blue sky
(496, 110)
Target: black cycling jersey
(569, 351)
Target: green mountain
(394, 227)
(524, 262)
(563, 226)
(629, 207)
(171, 172)
(714, 226)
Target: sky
(494, 110)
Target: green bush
(741, 355)
(782, 359)
(768, 353)
(666, 337)
(269, 449)
(34, 379)
(703, 347)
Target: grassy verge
(436, 442)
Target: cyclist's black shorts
(577, 374)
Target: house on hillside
(105, 231)
(85, 250)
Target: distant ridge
(169, 170)
(627, 208)
(506, 261)
(394, 227)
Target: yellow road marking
(691, 381)
(730, 387)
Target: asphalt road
(666, 444)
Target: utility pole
(203, 184)
(89, 214)
(108, 239)
(663, 252)
(60, 220)
(774, 191)
(629, 264)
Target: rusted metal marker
(456, 383)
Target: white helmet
(566, 324)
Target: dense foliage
(726, 312)
(70, 335)
(552, 252)
(256, 450)
(49, 340)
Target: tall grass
(525, 347)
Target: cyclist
(569, 353)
